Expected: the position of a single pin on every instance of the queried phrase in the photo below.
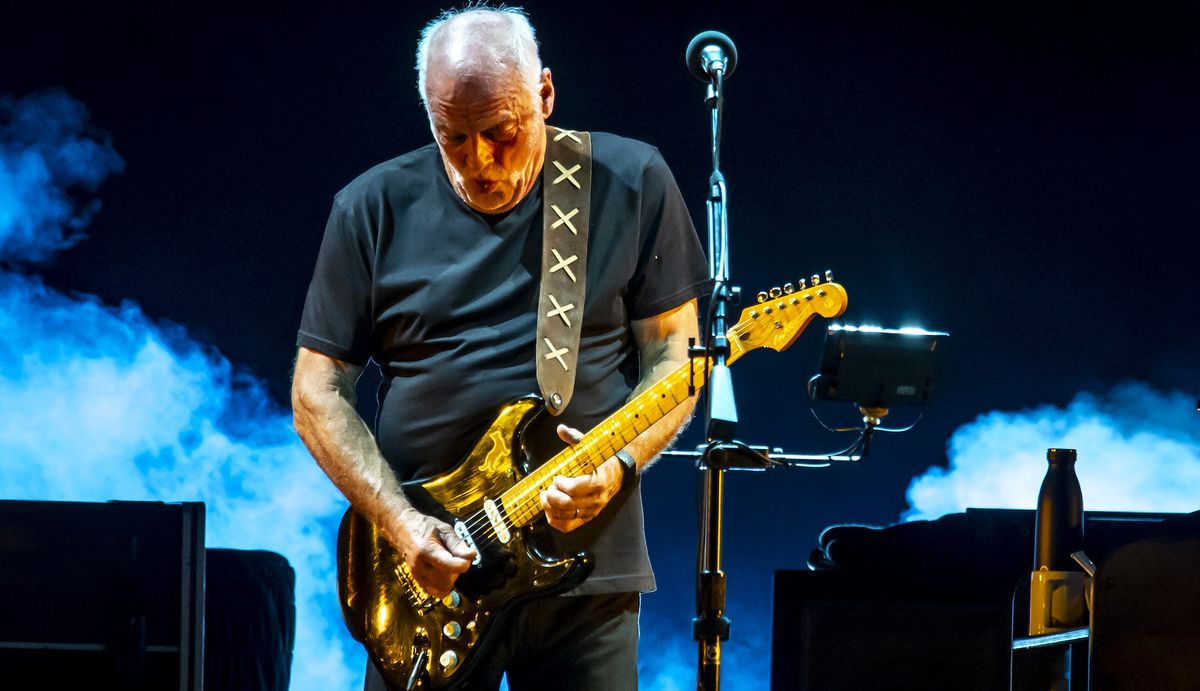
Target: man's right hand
(325, 417)
(435, 554)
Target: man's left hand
(570, 502)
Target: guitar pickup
(461, 529)
(497, 521)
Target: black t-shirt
(444, 298)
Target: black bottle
(1059, 514)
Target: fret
(521, 503)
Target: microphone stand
(710, 626)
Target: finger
(557, 502)
(433, 581)
(438, 555)
(455, 544)
(569, 434)
(577, 487)
(442, 560)
(566, 523)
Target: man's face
(490, 130)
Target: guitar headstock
(782, 313)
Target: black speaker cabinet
(928, 605)
(838, 632)
(101, 595)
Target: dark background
(1021, 176)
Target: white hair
(517, 50)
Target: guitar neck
(521, 502)
(773, 324)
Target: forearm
(339, 440)
(663, 349)
(646, 448)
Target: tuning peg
(788, 288)
(762, 296)
(803, 283)
(776, 292)
(828, 275)
(816, 280)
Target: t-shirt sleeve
(671, 268)
(338, 319)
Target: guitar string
(479, 520)
(480, 523)
(488, 536)
(593, 453)
(587, 451)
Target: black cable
(813, 409)
(743, 447)
(903, 429)
(811, 393)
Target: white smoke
(1139, 450)
(98, 402)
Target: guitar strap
(567, 186)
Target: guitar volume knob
(448, 660)
(453, 600)
(452, 630)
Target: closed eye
(501, 134)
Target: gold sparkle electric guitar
(491, 498)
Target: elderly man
(430, 265)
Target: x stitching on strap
(567, 174)
(568, 133)
(560, 310)
(564, 218)
(564, 264)
(557, 353)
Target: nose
(479, 152)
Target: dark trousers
(581, 643)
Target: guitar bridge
(421, 600)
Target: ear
(546, 92)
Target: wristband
(629, 469)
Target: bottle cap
(1060, 455)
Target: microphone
(711, 52)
